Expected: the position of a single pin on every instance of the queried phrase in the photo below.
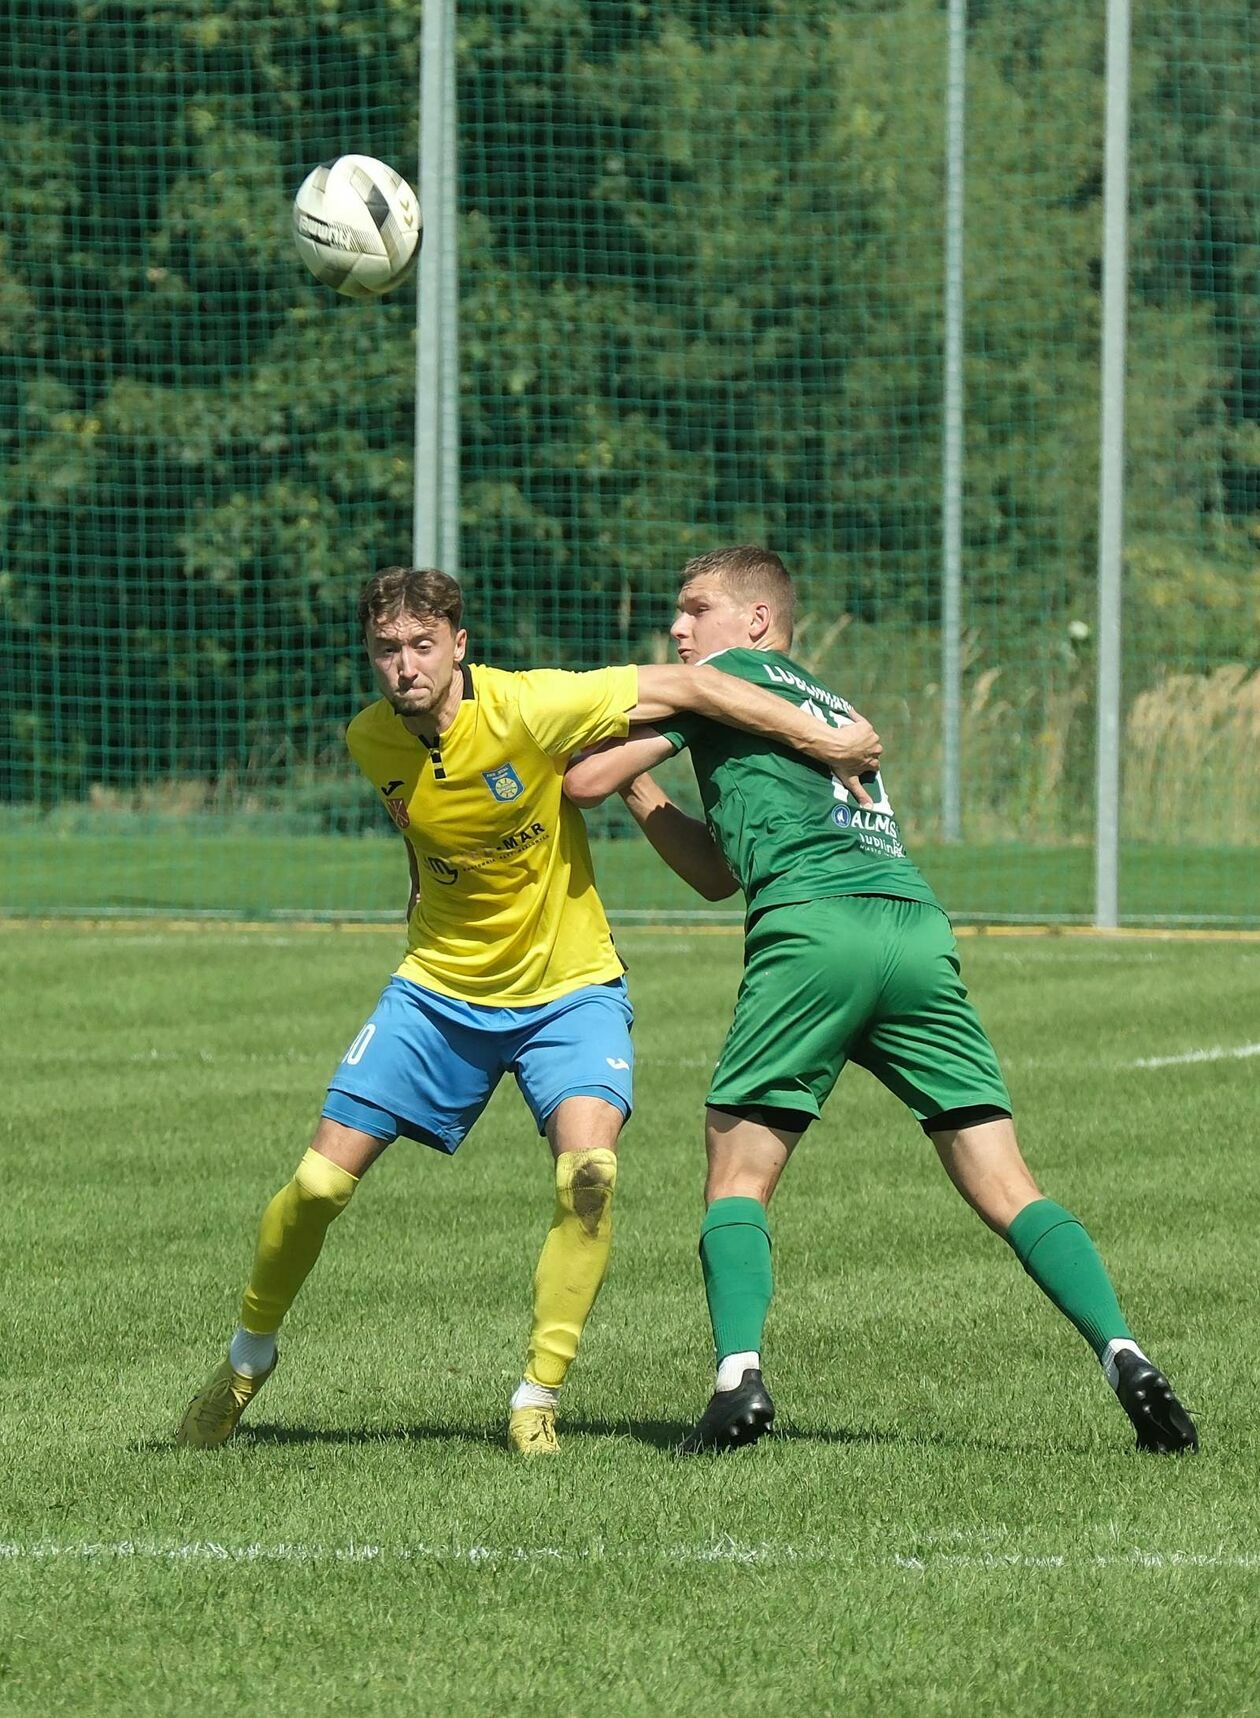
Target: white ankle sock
(529, 1395)
(251, 1355)
(730, 1372)
(1107, 1358)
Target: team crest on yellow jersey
(504, 783)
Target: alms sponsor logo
(878, 834)
(876, 823)
(785, 677)
(875, 832)
(504, 783)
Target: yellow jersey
(507, 913)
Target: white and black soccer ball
(357, 225)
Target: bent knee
(324, 1182)
(585, 1182)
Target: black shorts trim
(768, 1115)
(970, 1115)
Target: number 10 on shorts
(354, 1055)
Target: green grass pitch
(953, 1520)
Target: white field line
(721, 1551)
(1217, 1053)
(1134, 1559)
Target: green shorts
(865, 979)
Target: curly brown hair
(420, 591)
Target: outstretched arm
(849, 749)
(683, 842)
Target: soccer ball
(357, 225)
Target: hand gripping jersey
(508, 914)
(786, 827)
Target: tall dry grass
(1026, 745)
(1191, 764)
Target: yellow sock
(572, 1263)
(289, 1238)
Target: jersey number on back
(876, 788)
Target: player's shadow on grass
(659, 1434)
(665, 1435)
(916, 1437)
(448, 1432)
(662, 1434)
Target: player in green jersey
(848, 958)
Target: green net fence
(702, 255)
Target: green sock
(738, 1280)
(1059, 1256)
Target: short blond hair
(751, 574)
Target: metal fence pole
(1111, 476)
(426, 546)
(448, 270)
(952, 459)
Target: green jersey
(786, 827)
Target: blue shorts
(424, 1065)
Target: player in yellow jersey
(510, 965)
